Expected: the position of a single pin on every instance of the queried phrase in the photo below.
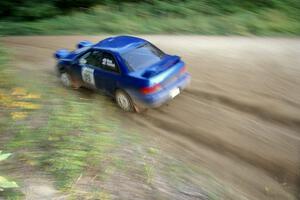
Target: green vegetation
(4, 183)
(53, 132)
(67, 143)
(229, 17)
(70, 136)
(8, 188)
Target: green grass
(67, 143)
(6, 82)
(190, 17)
(52, 130)
(62, 135)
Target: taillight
(152, 89)
(183, 70)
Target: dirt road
(239, 121)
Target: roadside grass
(51, 130)
(142, 18)
(67, 143)
(5, 83)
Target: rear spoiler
(153, 71)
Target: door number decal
(88, 75)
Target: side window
(91, 58)
(84, 57)
(108, 63)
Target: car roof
(120, 44)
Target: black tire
(64, 75)
(66, 79)
(124, 101)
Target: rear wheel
(124, 101)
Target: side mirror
(82, 61)
(61, 53)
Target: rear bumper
(163, 95)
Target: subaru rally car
(132, 70)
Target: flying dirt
(238, 121)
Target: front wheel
(124, 101)
(66, 80)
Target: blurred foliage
(4, 183)
(37, 9)
(225, 17)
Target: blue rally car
(132, 70)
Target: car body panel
(158, 98)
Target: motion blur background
(217, 17)
(233, 134)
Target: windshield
(142, 57)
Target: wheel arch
(60, 68)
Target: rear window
(142, 56)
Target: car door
(90, 65)
(110, 73)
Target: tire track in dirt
(199, 149)
(274, 168)
(255, 110)
(283, 100)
